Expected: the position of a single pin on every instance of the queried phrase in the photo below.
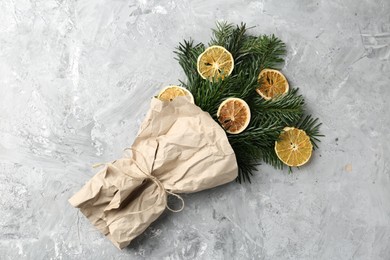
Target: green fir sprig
(251, 55)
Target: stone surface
(76, 78)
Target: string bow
(162, 190)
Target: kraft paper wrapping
(179, 149)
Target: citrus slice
(234, 115)
(171, 92)
(272, 83)
(293, 147)
(215, 63)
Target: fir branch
(245, 48)
(269, 156)
(230, 37)
(246, 168)
(222, 33)
(254, 144)
(187, 55)
(312, 128)
(288, 108)
(269, 50)
(256, 136)
(208, 95)
(251, 55)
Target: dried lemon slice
(215, 63)
(294, 147)
(171, 92)
(234, 115)
(272, 83)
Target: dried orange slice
(272, 83)
(234, 115)
(294, 147)
(171, 92)
(215, 63)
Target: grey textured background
(76, 78)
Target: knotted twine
(148, 175)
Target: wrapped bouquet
(234, 110)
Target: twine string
(156, 181)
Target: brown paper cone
(179, 148)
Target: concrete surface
(76, 78)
